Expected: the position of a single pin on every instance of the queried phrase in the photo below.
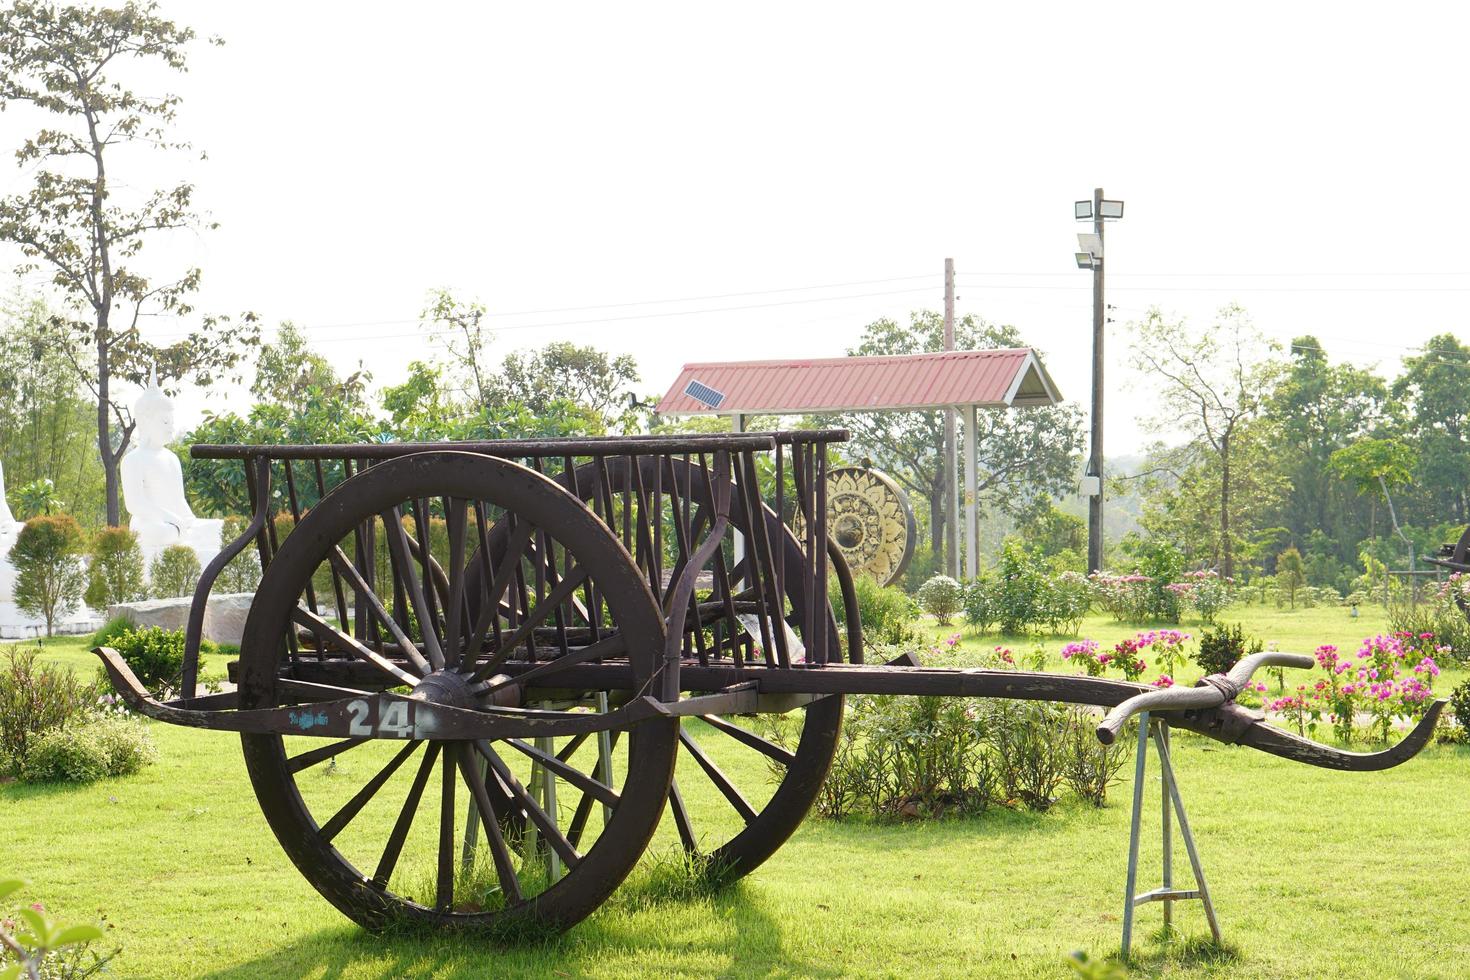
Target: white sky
(1300, 158)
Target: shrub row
(56, 566)
(918, 757)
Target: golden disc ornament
(869, 518)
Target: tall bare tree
(1204, 385)
(88, 228)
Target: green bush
(155, 655)
(115, 572)
(112, 629)
(1221, 647)
(1068, 600)
(1457, 731)
(83, 753)
(941, 597)
(981, 608)
(36, 698)
(887, 614)
(1021, 588)
(174, 572)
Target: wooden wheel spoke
(413, 584)
(360, 586)
(327, 633)
(750, 739)
(534, 810)
(353, 807)
(597, 790)
(444, 880)
(306, 760)
(456, 522)
(681, 818)
(722, 782)
(404, 823)
(499, 852)
(534, 618)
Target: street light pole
(1095, 466)
(1090, 256)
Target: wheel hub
(450, 687)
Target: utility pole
(1095, 467)
(951, 460)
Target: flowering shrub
(1068, 600)
(1391, 677)
(1205, 592)
(1127, 658)
(1084, 654)
(1167, 645)
(1123, 596)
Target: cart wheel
(723, 809)
(449, 833)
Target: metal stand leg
(1171, 800)
(472, 823)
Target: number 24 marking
(394, 721)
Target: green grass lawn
(1314, 874)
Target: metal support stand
(1158, 730)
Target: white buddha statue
(9, 530)
(153, 484)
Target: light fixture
(1091, 243)
(1111, 210)
(1084, 210)
(1085, 260)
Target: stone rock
(224, 615)
(169, 614)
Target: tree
(460, 327)
(115, 573)
(1181, 492)
(566, 372)
(1434, 390)
(288, 372)
(1291, 573)
(1377, 467)
(1316, 408)
(86, 226)
(46, 427)
(1025, 455)
(1205, 385)
(48, 567)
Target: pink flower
(1164, 681)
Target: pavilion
(964, 381)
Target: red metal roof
(984, 378)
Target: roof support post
(972, 512)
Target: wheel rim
(555, 827)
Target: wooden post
(972, 513)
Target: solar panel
(704, 394)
